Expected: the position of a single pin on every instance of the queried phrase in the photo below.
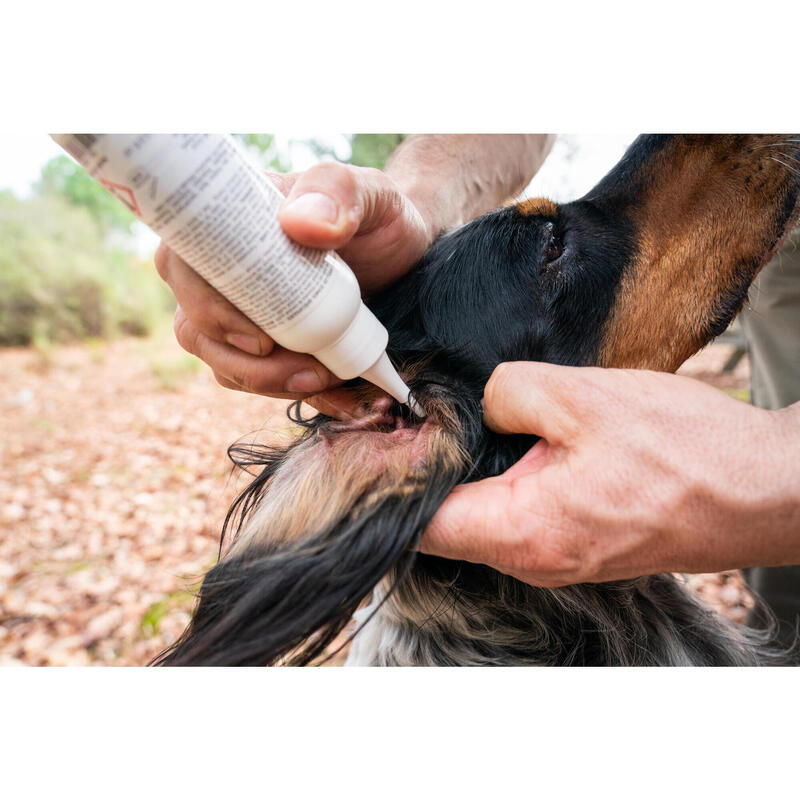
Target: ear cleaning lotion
(213, 207)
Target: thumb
(534, 398)
(467, 525)
(324, 207)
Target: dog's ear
(288, 604)
(328, 517)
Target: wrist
(426, 169)
(438, 213)
(453, 178)
(785, 440)
(769, 496)
(735, 498)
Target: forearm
(724, 498)
(453, 178)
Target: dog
(641, 272)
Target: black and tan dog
(641, 272)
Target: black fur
(489, 292)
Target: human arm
(636, 473)
(380, 223)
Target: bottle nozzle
(415, 407)
(385, 376)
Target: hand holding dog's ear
(636, 473)
(359, 212)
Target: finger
(225, 383)
(477, 511)
(466, 525)
(208, 311)
(282, 374)
(330, 202)
(510, 525)
(339, 403)
(534, 398)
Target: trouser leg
(771, 322)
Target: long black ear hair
(291, 603)
(285, 601)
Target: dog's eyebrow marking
(537, 205)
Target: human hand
(636, 473)
(359, 212)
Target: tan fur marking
(705, 228)
(540, 206)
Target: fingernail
(304, 382)
(243, 341)
(315, 206)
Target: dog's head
(641, 272)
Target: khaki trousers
(771, 322)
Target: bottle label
(219, 213)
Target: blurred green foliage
(62, 277)
(272, 157)
(67, 264)
(366, 149)
(62, 177)
(373, 149)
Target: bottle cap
(361, 352)
(358, 348)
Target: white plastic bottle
(219, 213)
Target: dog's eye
(553, 245)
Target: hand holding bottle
(359, 212)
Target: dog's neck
(426, 621)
